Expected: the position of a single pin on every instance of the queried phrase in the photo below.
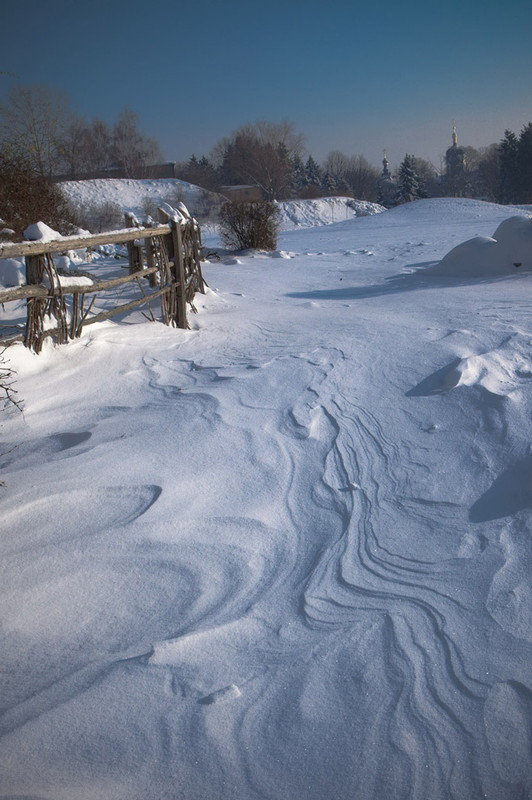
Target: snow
(286, 553)
(509, 249)
(131, 195)
(323, 211)
(69, 281)
(41, 232)
(12, 272)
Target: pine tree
(328, 185)
(524, 159)
(298, 172)
(313, 173)
(509, 164)
(410, 185)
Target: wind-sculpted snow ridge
(285, 554)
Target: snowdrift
(509, 249)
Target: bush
(249, 226)
(26, 197)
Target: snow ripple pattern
(309, 594)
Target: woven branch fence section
(167, 257)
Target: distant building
(243, 194)
(455, 168)
(387, 187)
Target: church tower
(455, 167)
(385, 167)
(387, 188)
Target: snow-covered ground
(285, 554)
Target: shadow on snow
(421, 277)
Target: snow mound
(12, 273)
(40, 232)
(514, 235)
(323, 211)
(509, 250)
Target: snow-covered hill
(285, 554)
(129, 194)
(135, 195)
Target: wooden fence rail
(168, 255)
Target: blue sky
(352, 76)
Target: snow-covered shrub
(249, 226)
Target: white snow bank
(509, 250)
(515, 236)
(323, 211)
(12, 272)
(41, 232)
(131, 195)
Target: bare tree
(355, 172)
(33, 123)
(130, 148)
(275, 134)
(72, 147)
(263, 154)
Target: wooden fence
(167, 255)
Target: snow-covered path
(286, 554)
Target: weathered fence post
(150, 259)
(134, 251)
(33, 336)
(180, 274)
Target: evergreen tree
(299, 176)
(313, 172)
(328, 185)
(410, 185)
(509, 165)
(524, 160)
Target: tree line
(271, 156)
(41, 137)
(38, 125)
